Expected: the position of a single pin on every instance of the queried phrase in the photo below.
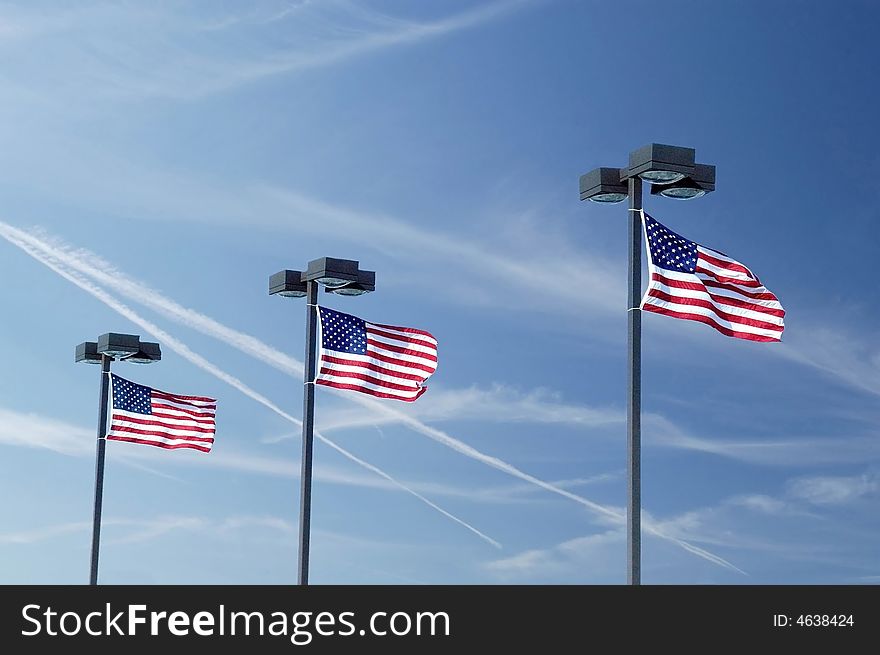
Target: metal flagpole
(634, 402)
(674, 168)
(99, 465)
(305, 497)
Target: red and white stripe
(176, 422)
(721, 293)
(396, 365)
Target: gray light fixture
(331, 272)
(701, 182)
(118, 345)
(658, 163)
(288, 284)
(87, 352)
(148, 353)
(603, 185)
(366, 282)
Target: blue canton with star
(670, 250)
(343, 332)
(131, 397)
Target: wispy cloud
(503, 404)
(839, 353)
(44, 533)
(711, 524)
(768, 531)
(762, 503)
(391, 33)
(526, 259)
(787, 451)
(507, 494)
(256, 15)
(594, 557)
(729, 521)
(278, 438)
(498, 403)
(536, 262)
(248, 522)
(834, 490)
(139, 51)
(149, 530)
(34, 431)
(141, 530)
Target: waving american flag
(381, 360)
(697, 283)
(157, 418)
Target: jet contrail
(81, 260)
(184, 351)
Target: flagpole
(99, 465)
(634, 401)
(305, 497)
(674, 174)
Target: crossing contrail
(93, 266)
(184, 351)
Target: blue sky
(161, 161)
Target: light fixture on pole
(699, 183)
(603, 185)
(365, 283)
(672, 173)
(109, 347)
(342, 277)
(657, 163)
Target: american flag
(697, 283)
(157, 418)
(382, 360)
